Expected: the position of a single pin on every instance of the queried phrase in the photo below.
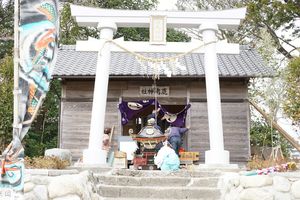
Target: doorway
(140, 120)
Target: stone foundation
(75, 184)
(277, 186)
(59, 185)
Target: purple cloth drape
(176, 119)
(129, 110)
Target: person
(152, 119)
(175, 135)
(105, 140)
(151, 122)
(166, 158)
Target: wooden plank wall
(77, 105)
(235, 129)
(75, 125)
(235, 116)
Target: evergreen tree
(6, 27)
(292, 98)
(6, 100)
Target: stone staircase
(124, 184)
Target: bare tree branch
(280, 48)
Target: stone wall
(59, 185)
(277, 186)
(74, 185)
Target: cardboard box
(189, 156)
(120, 154)
(120, 163)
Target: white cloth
(162, 153)
(129, 147)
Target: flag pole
(17, 91)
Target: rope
(155, 100)
(158, 60)
(155, 61)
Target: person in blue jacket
(175, 135)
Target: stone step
(158, 173)
(99, 169)
(108, 198)
(158, 181)
(156, 192)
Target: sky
(167, 5)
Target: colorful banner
(39, 27)
(38, 40)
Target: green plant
(263, 135)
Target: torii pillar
(95, 154)
(209, 23)
(216, 154)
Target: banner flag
(38, 41)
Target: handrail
(292, 141)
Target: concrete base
(216, 157)
(219, 167)
(94, 156)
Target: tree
(275, 16)
(261, 14)
(6, 100)
(263, 135)
(70, 31)
(128, 4)
(200, 5)
(260, 29)
(6, 27)
(268, 91)
(43, 133)
(292, 100)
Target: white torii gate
(208, 23)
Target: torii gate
(208, 23)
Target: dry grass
(45, 163)
(258, 163)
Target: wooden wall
(76, 109)
(235, 128)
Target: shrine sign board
(161, 91)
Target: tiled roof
(82, 63)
